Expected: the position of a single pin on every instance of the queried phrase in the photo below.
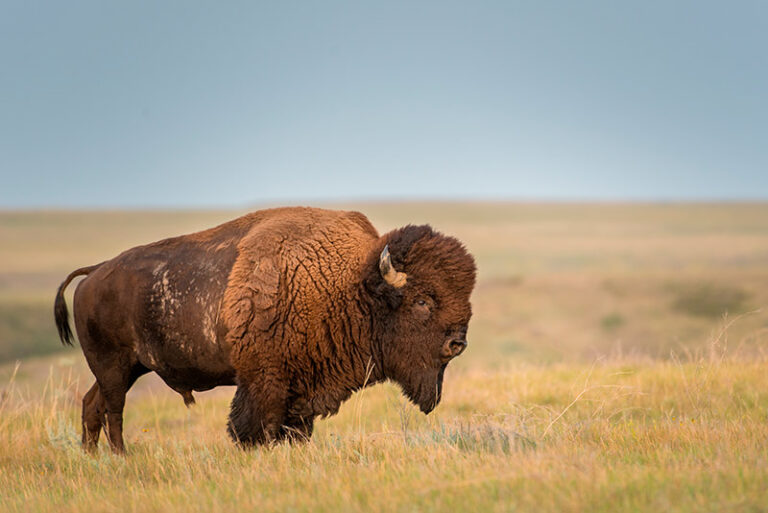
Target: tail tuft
(60, 311)
(61, 314)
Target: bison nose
(454, 347)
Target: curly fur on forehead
(436, 265)
(429, 257)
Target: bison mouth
(427, 392)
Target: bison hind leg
(94, 411)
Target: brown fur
(288, 304)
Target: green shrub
(612, 321)
(709, 299)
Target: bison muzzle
(297, 307)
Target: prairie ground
(617, 362)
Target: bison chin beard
(425, 390)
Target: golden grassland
(617, 362)
(619, 435)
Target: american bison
(297, 307)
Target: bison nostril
(457, 346)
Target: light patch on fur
(210, 318)
(165, 295)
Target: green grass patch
(710, 300)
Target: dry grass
(618, 435)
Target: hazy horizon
(374, 202)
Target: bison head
(422, 285)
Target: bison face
(427, 335)
(426, 280)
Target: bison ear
(388, 272)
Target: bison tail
(60, 311)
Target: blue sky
(207, 104)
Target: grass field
(617, 362)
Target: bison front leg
(298, 429)
(257, 414)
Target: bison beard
(298, 307)
(428, 393)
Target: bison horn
(390, 275)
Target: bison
(297, 307)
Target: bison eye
(422, 309)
